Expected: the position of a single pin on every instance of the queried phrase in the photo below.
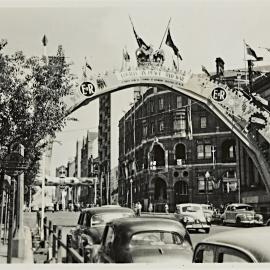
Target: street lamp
(131, 181)
(207, 175)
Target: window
(179, 102)
(144, 130)
(204, 151)
(151, 104)
(161, 126)
(204, 185)
(161, 103)
(152, 128)
(179, 121)
(200, 151)
(203, 121)
(231, 151)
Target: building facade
(104, 148)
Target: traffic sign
(14, 164)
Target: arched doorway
(181, 192)
(158, 155)
(160, 190)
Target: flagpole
(165, 33)
(245, 59)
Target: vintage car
(145, 240)
(192, 216)
(241, 214)
(267, 222)
(208, 211)
(235, 246)
(91, 224)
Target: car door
(232, 255)
(229, 214)
(204, 253)
(106, 250)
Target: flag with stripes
(205, 71)
(251, 52)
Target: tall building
(104, 148)
(175, 149)
(78, 159)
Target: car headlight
(185, 219)
(208, 219)
(259, 216)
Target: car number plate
(197, 226)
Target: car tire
(207, 230)
(238, 222)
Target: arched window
(158, 155)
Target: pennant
(174, 65)
(88, 66)
(205, 71)
(44, 41)
(251, 52)
(170, 43)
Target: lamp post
(207, 175)
(131, 181)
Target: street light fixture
(207, 175)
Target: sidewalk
(28, 258)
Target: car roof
(99, 210)
(251, 240)
(189, 204)
(239, 204)
(131, 225)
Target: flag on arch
(126, 56)
(44, 41)
(205, 71)
(88, 66)
(171, 44)
(251, 52)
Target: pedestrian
(139, 209)
(166, 208)
(150, 208)
(38, 220)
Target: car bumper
(252, 222)
(197, 226)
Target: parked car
(145, 240)
(91, 224)
(49, 207)
(208, 211)
(34, 208)
(240, 245)
(267, 222)
(192, 216)
(241, 214)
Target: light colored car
(192, 216)
(208, 211)
(235, 246)
(34, 208)
(241, 214)
(145, 240)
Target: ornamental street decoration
(219, 94)
(87, 89)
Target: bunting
(126, 56)
(170, 43)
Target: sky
(99, 30)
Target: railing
(60, 251)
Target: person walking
(166, 208)
(139, 209)
(150, 208)
(38, 220)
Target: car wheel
(238, 222)
(207, 230)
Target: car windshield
(156, 238)
(244, 207)
(191, 208)
(102, 219)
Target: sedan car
(236, 246)
(91, 225)
(145, 240)
(241, 214)
(192, 216)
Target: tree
(31, 106)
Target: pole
(42, 196)
(245, 60)
(11, 219)
(165, 33)
(2, 212)
(95, 191)
(101, 176)
(131, 181)
(250, 65)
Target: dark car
(92, 222)
(145, 240)
(240, 245)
